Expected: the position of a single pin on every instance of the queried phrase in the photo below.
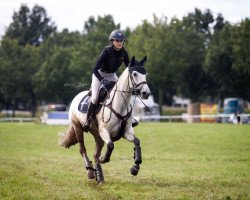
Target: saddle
(84, 103)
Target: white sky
(72, 14)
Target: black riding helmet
(116, 35)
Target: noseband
(136, 89)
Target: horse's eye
(134, 74)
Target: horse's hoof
(99, 173)
(134, 170)
(101, 182)
(104, 160)
(91, 174)
(99, 178)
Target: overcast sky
(72, 14)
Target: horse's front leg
(99, 145)
(137, 156)
(110, 145)
(129, 135)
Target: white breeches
(96, 84)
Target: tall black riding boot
(90, 114)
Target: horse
(113, 121)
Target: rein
(118, 115)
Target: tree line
(201, 57)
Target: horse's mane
(122, 78)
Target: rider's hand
(105, 82)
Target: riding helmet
(116, 35)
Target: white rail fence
(244, 118)
(17, 119)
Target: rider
(109, 61)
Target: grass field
(180, 161)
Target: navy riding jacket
(110, 60)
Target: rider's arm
(126, 58)
(100, 63)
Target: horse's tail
(68, 139)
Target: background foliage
(201, 57)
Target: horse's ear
(132, 61)
(143, 60)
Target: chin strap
(115, 48)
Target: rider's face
(118, 43)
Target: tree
(199, 20)
(69, 58)
(53, 80)
(241, 46)
(195, 36)
(18, 64)
(227, 61)
(20, 59)
(9, 54)
(30, 27)
(241, 49)
(159, 44)
(94, 39)
(220, 23)
(65, 43)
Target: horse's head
(138, 77)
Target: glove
(105, 83)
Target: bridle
(135, 89)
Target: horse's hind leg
(88, 164)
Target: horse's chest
(114, 130)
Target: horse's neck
(121, 100)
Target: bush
(173, 111)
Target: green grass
(180, 161)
